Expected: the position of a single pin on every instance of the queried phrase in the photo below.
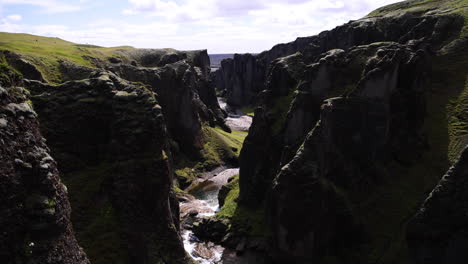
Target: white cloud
(220, 26)
(48, 6)
(14, 18)
(208, 9)
(262, 22)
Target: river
(204, 200)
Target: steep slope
(438, 232)
(121, 142)
(35, 212)
(339, 179)
(180, 79)
(244, 76)
(116, 126)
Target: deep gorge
(344, 147)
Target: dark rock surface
(27, 69)
(334, 175)
(73, 72)
(244, 76)
(108, 122)
(438, 232)
(185, 95)
(35, 211)
(340, 156)
(242, 79)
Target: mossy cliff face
(438, 232)
(358, 143)
(35, 212)
(244, 76)
(107, 127)
(110, 137)
(180, 78)
(186, 98)
(242, 79)
(351, 134)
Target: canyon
(345, 147)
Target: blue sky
(221, 26)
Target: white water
(206, 198)
(206, 204)
(190, 245)
(236, 120)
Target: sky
(221, 26)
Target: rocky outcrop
(244, 76)
(438, 232)
(175, 87)
(109, 135)
(26, 68)
(242, 79)
(150, 58)
(348, 152)
(342, 129)
(73, 72)
(185, 95)
(35, 212)
(290, 108)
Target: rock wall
(335, 175)
(244, 76)
(438, 232)
(348, 153)
(186, 97)
(35, 211)
(117, 128)
(241, 77)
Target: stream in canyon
(203, 201)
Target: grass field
(45, 53)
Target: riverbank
(200, 201)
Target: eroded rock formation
(109, 123)
(438, 232)
(343, 128)
(244, 76)
(35, 211)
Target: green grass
(234, 140)
(420, 6)
(216, 150)
(243, 220)
(280, 110)
(221, 148)
(45, 52)
(8, 75)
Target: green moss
(234, 140)
(93, 217)
(8, 75)
(421, 6)
(230, 204)
(217, 149)
(221, 148)
(177, 189)
(186, 171)
(248, 110)
(386, 208)
(280, 111)
(244, 220)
